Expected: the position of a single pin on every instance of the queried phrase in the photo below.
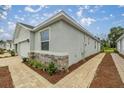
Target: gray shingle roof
(29, 26)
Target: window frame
(42, 41)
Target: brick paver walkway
(83, 76)
(23, 76)
(119, 62)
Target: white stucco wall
(66, 39)
(122, 46)
(32, 40)
(23, 46)
(23, 34)
(118, 46)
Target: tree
(114, 34)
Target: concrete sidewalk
(119, 62)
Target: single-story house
(120, 44)
(9, 45)
(59, 35)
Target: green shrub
(44, 67)
(1, 51)
(25, 59)
(9, 51)
(12, 53)
(35, 63)
(51, 69)
(32, 62)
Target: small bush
(25, 59)
(12, 53)
(1, 51)
(9, 51)
(51, 69)
(32, 62)
(36, 64)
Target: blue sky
(96, 19)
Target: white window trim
(49, 30)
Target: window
(45, 40)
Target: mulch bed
(5, 78)
(107, 75)
(59, 75)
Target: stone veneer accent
(60, 60)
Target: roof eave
(63, 16)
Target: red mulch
(59, 75)
(107, 75)
(5, 78)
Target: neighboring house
(58, 35)
(9, 45)
(120, 44)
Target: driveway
(24, 77)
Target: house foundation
(61, 60)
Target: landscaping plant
(1, 51)
(25, 59)
(12, 53)
(35, 63)
(51, 69)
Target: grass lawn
(109, 50)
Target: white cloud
(87, 21)
(51, 14)
(121, 5)
(97, 28)
(94, 9)
(7, 7)
(3, 16)
(30, 9)
(91, 11)
(86, 7)
(103, 11)
(122, 14)
(105, 18)
(6, 36)
(44, 6)
(47, 14)
(5, 13)
(70, 10)
(80, 12)
(111, 15)
(11, 25)
(20, 11)
(19, 18)
(1, 30)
